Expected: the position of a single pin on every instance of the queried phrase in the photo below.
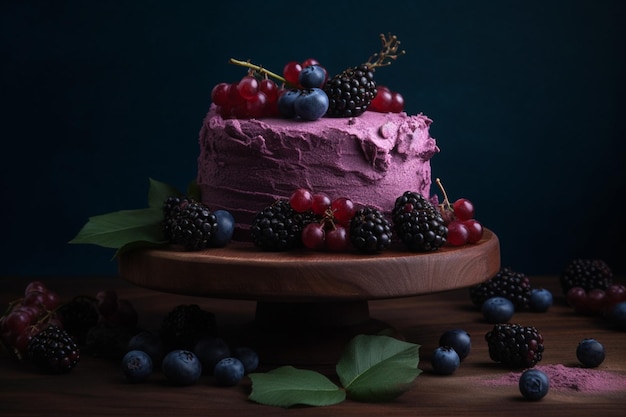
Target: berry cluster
(454, 346)
(250, 97)
(194, 226)
(27, 316)
(185, 347)
(305, 91)
(515, 345)
(386, 101)
(589, 289)
(459, 218)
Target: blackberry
(507, 283)
(78, 316)
(370, 232)
(194, 227)
(53, 350)
(185, 325)
(514, 345)
(106, 340)
(418, 223)
(586, 273)
(278, 227)
(171, 210)
(351, 91)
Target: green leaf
(193, 191)
(159, 192)
(376, 368)
(287, 386)
(121, 228)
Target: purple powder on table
(566, 378)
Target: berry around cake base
(245, 165)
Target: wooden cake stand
(309, 304)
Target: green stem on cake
(258, 69)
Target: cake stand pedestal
(309, 304)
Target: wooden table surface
(96, 387)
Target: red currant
(291, 72)
(313, 236)
(219, 94)
(595, 300)
(475, 230)
(301, 200)
(321, 203)
(458, 233)
(343, 210)
(382, 101)
(397, 103)
(247, 87)
(463, 209)
(270, 89)
(337, 239)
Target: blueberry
(311, 104)
(540, 300)
(181, 367)
(136, 366)
(248, 357)
(445, 360)
(149, 342)
(498, 310)
(590, 353)
(534, 384)
(286, 103)
(228, 372)
(457, 339)
(225, 228)
(617, 315)
(312, 76)
(210, 350)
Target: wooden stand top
(241, 271)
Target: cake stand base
(309, 304)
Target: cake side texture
(246, 164)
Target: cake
(246, 164)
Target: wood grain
(97, 388)
(241, 271)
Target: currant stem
(445, 195)
(258, 69)
(388, 53)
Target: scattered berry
(150, 343)
(590, 352)
(228, 372)
(248, 357)
(445, 360)
(312, 76)
(534, 384)
(586, 273)
(225, 228)
(183, 326)
(181, 367)
(506, 283)
(311, 104)
(210, 350)
(617, 315)
(497, 310)
(53, 350)
(457, 339)
(514, 345)
(136, 366)
(540, 300)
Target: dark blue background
(527, 99)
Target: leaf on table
(376, 368)
(121, 228)
(287, 386)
